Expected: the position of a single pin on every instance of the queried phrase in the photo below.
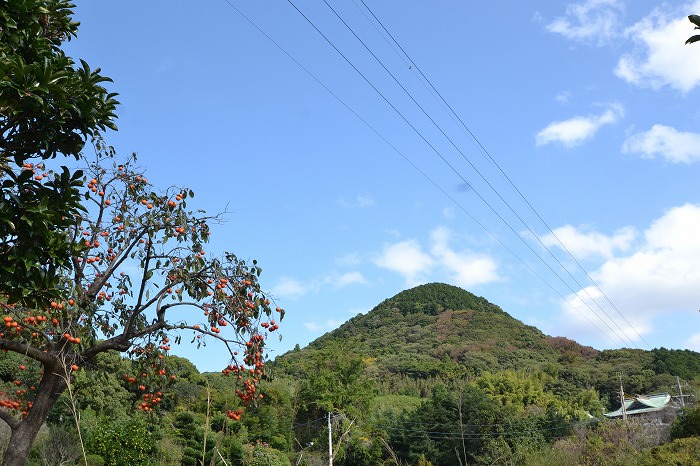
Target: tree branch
(144, 280)
(9, 419)
(100, 281)
(27, 350)
(122, 342)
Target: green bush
(262, 454)
(681, 452)
(95, 460)
(686, 424)
(127, 442)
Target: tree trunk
(23, 435)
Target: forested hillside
(434, 375)
(430, 361)
(441, 332)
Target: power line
(503, 429)
(453, 168)
(487, 154)
(437, 153)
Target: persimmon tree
(138, 280)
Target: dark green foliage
(403, 378)
(190, 387)
(695, 19)
(235, 452)
(261, 454)
(191, 432)
(433, 299)
(683, 363)
(436, 430)
(122, 442)
(360, 451)
(331, 383)
(523, 389)
(103, 390)
(95, 460)
(681, 452)
(687, 424)
(34, 216)
(48, 107)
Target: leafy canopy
(48, 107)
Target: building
(643, 404)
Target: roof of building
(639, 404)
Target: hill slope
(440, 331)
(419, 364)
(417, 331)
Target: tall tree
(48, 108)
(95, 260)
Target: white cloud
(406, 258)
(293, 288)
(350, 259)
(576, 130)
(596, 21)
(658, 278)
(693, 342)
(563, 97)
(464, 268)
(348, 279)
(587, 312)
(360, 201)
(329, 324)
(467, 268)
(590, 244)
(448, 213)
(290, 288)
(662, 58)
(666, 142)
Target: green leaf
(693, 39)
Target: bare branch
(144, 279)
(100, 281)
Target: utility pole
(330, 442)
(680, 391)
(622, 398)
(681, 396)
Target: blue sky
(350, 184)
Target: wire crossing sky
(481, 175)
(544, 156)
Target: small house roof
(639, 404)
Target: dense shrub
(124, 442)
(686, 424)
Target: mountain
(435, 373)
(418, 331)
(440, 331)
